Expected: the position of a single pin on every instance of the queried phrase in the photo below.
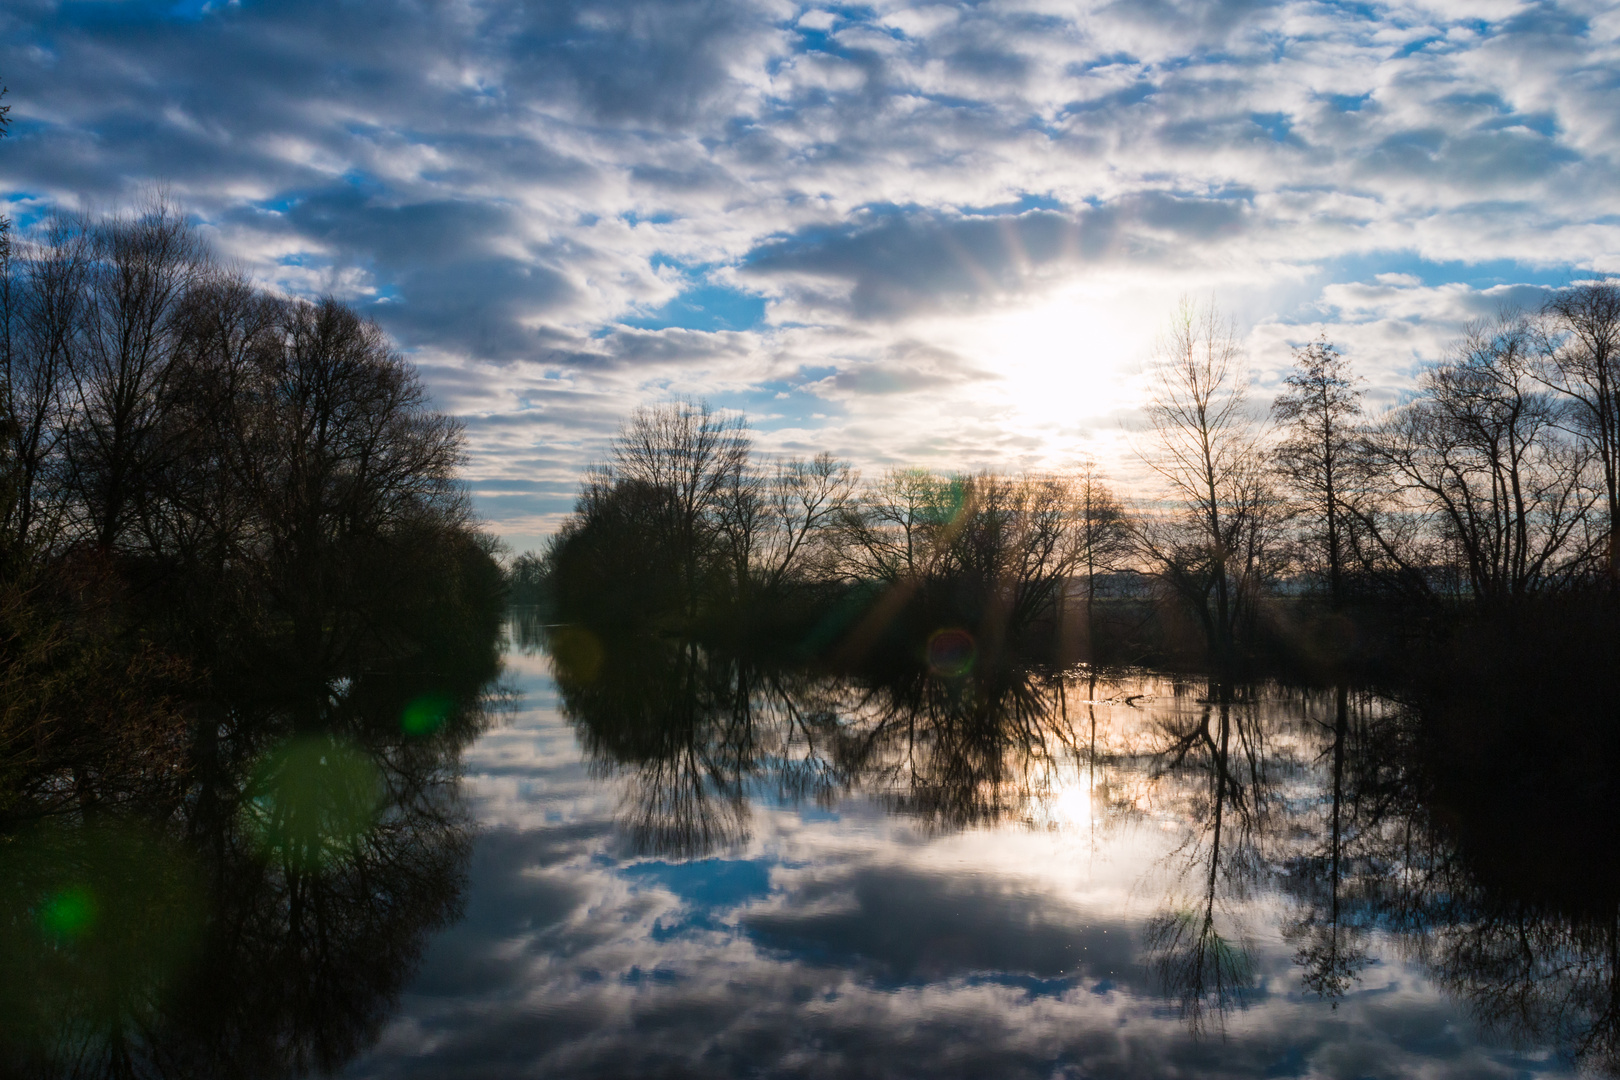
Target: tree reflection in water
(1331, 929)
(1195, 945)
(697, 731)
(1341, 802)
(171, 939)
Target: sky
(937, 234)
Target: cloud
(906, 367)
(458, 272)
(628, 61)
(884, 265)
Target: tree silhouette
(1481, 452)
(1318, 412)
(1581, 346)
(1212, 549)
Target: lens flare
(69, 913)
(426, 714)
(951, 652)
(313, 801)
(96, 918)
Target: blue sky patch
(708, 883)
(705, 307)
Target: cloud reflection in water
(1153, 889)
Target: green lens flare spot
(68, 914)
(312, 802)
(426, 714)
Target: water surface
(689, 865)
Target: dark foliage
(247, 624)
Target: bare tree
(1481, 451)
(1319, 412)
(684, 509)
(42, 311)
(742, 516)
(772, 523)
(1212, 549)
(1001, 548)
(1014, 545)
(344, 470)
(1101, 531)
(229, 336)
(138, 278)
(803, 499)
(9, 493)
(889, 533)
(1581, 360)
(689, 451)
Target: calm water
(682, 866)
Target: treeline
(1496, 485)
(204, 486)
(1498, 481)
(685, 528)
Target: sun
(1070, 804)
(1068, 361)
